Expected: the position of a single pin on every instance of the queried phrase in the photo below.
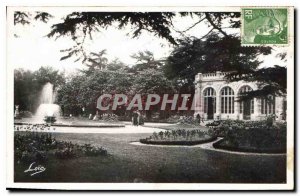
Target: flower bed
(179, 137)
(110, 118)
(34, 146)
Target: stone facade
(216, 99)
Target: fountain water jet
(47, 106)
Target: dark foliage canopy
(215, 53)
(271, 81)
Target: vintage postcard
(150, 98)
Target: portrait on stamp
(264, 26)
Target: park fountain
(47, 108)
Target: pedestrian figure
(135, 118)
(138, 117)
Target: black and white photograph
(150, 98)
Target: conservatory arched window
(247, 105)
(227, 100)
(244, 104)
(209, 100)
(268, 105)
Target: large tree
(25, 89)
(97, 60)
(152, 81)
(270, 81)
(83, 90)
(145, 60)
(215, 53)
(224, 54)
(69, 96)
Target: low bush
(50, 119)
(252, 135)
(33, 146)
(110, 117)
(30, 156)
(173, 119)
(189, 120)
(68, 150)
(213, 124)
(25, 114)
(65, 153)
(90, 150)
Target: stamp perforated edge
(289, 10)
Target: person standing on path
(135, 118)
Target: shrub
(34, 146)
(213, 124)
(33, 156)
(270, 120)
(253, 134)
(173, 119)
(90, 150)
(110, 117)
(65, 153)
(188, 120)
(68, 150)
(25, 114)
(50, 119)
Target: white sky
(32, 49)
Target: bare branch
(207, 33)
(193, 25)
(207, 16)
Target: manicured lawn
(133, 163)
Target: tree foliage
(97, 60)
(213, 54)
(26, 17)
(117, 65)
(28, 84)
(83, 90)
(69, 96)
(80, 25)
(215, 51)
(270, 80)
(145, 60)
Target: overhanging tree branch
(270, 80)
(193, 25)
(207, 16)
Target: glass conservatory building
(216, 99)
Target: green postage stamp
(267, 26)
